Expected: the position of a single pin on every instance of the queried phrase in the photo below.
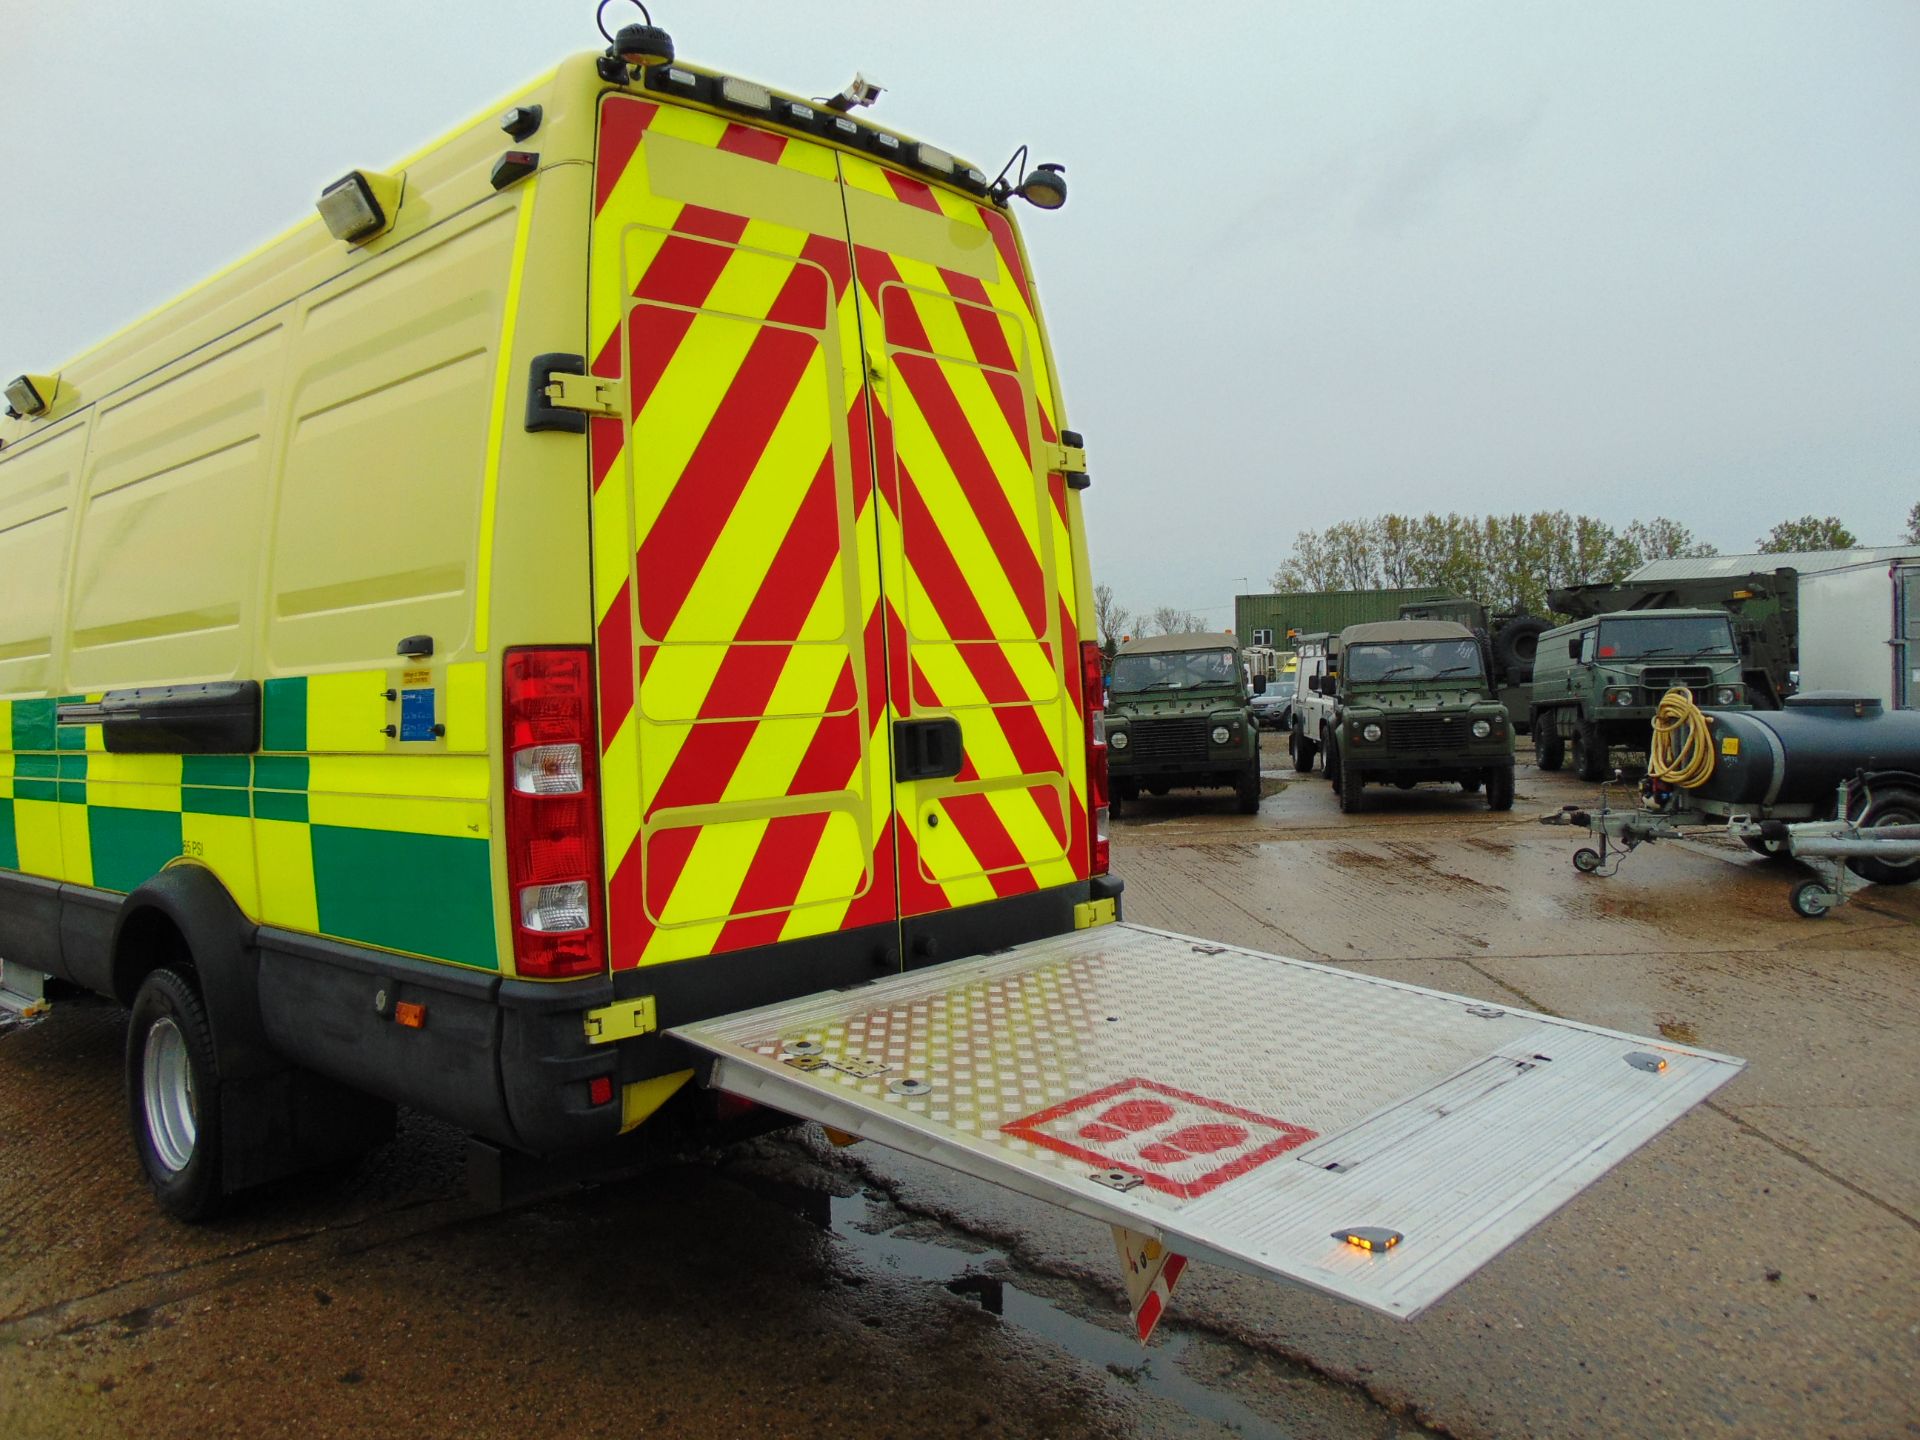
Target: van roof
(1388, 632)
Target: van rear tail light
(553, 813)
(549, 770)
(1093, 701)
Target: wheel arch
(184, 917)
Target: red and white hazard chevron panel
(1375, 1141)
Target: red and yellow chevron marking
(750, 668)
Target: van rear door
(742, 695)
(975, 555)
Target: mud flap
(1375, 1141)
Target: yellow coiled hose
(1682, 751)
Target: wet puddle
(868, 1230)
(872, 1231)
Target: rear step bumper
(1235, 1106)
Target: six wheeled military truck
(1179, 715)
(1597, 682)
(1411, 702)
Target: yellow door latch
(1089, 913)
(621, 1021)
(592, 393)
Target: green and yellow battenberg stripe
(331, 829)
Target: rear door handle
(927, 749)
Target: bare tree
(1110, 618)
(1167, 620)
(1912, 536)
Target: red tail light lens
(553, 813)
(1093, 701)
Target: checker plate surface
(1263, 1102)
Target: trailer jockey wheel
(1810, 899)
(1586, 860)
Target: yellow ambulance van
(605, 605)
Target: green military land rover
(1180, 716)
(1412, 703)
(1597, 682)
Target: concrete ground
(1752, 1272)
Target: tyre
(1889, 805)
(1515, 646)
(1471, 785)
(1331, 764)
(1586, 860)
(1500, 787)
(1115, 805)
(1302, 750)
(1549, 745)
(1352, 781)
(173, 1097)
(1810, 900)
(1589, 751)
(1246, 791)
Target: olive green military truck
(1597, 682)
(1411, 702)
(1179, 716)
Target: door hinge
(560, 394)
(1089, 913)
(621, 1021)
(1069, 458)
(592, 393)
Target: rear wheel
(1302, 750)
(1352, 781)
(173, 1096)
(1889, 806)
(1589, 751)
(1500, 787)
(1246, 790)
(1549, 745)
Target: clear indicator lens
(934, 159)
(348, 210)
(555, 908)
(549, 770)
(745, 93)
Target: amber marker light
(1369, 1237)
(411, 1014)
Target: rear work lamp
(30, 395)
(360, 205)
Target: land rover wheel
(1549, 745)
(1352, 781)
(1892, 805)
(1301, 749)
(173, 1096)
(1246, 790)
(1589, 751)
(1500, 787)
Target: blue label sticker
(416, 715)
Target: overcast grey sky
(1320, 261)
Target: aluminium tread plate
(1239, 1107)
